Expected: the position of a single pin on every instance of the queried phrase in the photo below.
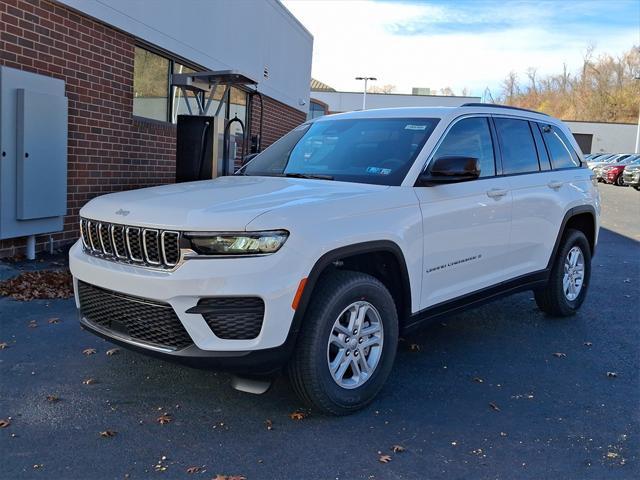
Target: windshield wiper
(316, 176)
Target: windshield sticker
(378, 171)
(415, 127)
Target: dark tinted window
(545, 163)
(517, 146)
(560, 150)
(470, 138)
(369, 150)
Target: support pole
(31, 247)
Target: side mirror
(450, 169)
(247, 158)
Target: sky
(470, 44)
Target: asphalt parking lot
(496, 392)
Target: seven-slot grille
(121, 243)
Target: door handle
(554, 185)
(496, 193)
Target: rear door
(539, 192)
(466, 225)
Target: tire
(309, 369)
(552, 299)
(620, 181)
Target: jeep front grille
(149, 247)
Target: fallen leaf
(3, 345)
(612, 455)
(384, 458)
(88, 381)
(477, 451)
(588, 344)
(53, 321)
(53, 398)
(33, 324)
(113, 351)
(193, 470)
(269, 424)
(38, 465)
(297, 415)
(4, 423)
(42, 284)
(108, 433)
(494, 407)
(478, 380)
(89, 351)
(612, 374)
(164, 418)
(559, 355)
(414, 347)
(397, 448)
(503, 434)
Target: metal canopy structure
(203, 83)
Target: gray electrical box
(33, 153)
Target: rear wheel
(569, 277)
(347, 343)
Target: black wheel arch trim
(327, 259)
(572, 212)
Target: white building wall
(221, 35)
(607, 137)
(348, 101)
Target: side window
(545, 163)
(560, 150)
(518, 148)
(470, 137)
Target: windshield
(372, 150)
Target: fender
(572, 212)
(327, 259)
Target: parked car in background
(612, 173)
(631, 174)
(610, 158)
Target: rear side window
(470, 137)
(518, 148)
(560, 150)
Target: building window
(316, 110)
(150, 85)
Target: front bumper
(273, 278)
(631, 179)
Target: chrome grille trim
(148, 259)
(121, 255)
(129, 231)
(133, 245)
(163, 243)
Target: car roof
(440, 112)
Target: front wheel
(347, 343)
(620, 181)
(569, 278)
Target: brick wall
(109, 150)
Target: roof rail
(493, 105)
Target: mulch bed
(42, 284)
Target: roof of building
(318, 86)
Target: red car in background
(613, 173)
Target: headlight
(241, 243)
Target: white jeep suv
(348, 231)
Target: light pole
(364, 93)
(637, 77)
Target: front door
(466, 225)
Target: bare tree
(388, 88)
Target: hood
(226, 203)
